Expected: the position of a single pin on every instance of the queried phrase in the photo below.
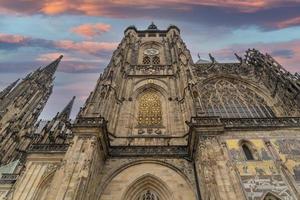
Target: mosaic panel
(257, 186)
(289, 152)
(258, 176)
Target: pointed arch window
(150, 110)
(233, 100)
(148, 187)
(247, 152)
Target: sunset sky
(34, 32)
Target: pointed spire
(51, 68)
(65, 113)
(4, 92)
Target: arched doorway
(148, 187)
(148, 180)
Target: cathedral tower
(158, 126)
(20, 108)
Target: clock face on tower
(151, 52)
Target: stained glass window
(233, 100)
(150, 113)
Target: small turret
(152, 27)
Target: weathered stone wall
(37, 176)
(175, 180)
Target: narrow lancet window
(247, 152)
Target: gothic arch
(270, 196)
(142, 85)
(249, 150)
(151, 43)
(148, 186)
(147, 59)
(43, 187)
(243, 99)
(136, 170)
(149, 109)
(144, 88)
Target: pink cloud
(86, 46)
(56, 7)
(14, 39)
(91, 30)
(96, 8)
(287, 23)
(75, 63)
(50, 56)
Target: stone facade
(160, 127)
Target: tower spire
(51, 68)
(6, 90)
(65, 113)
(31, 93)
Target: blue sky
(33, 33)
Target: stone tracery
(225, 99)
(148, 187)
(148, 195)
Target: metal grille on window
(225, 99)
(150, 114)
(146, 60)
(155, 60)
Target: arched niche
(43, 187)
(151, 110)
(230, 97)
(155, 57)
(156, 89)
(249, 150)
(133, 180)
(148, 187)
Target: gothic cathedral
(157, 126)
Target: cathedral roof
(151, 28)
